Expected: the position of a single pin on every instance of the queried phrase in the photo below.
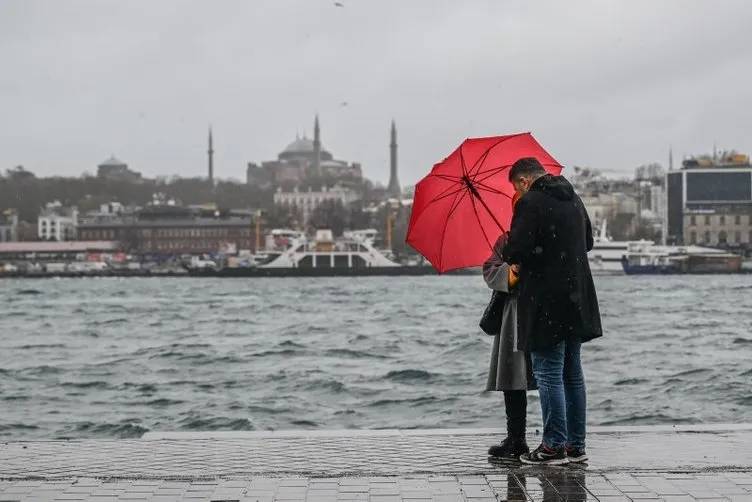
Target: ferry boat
(292, 253)
(655, 259)
(606, 256)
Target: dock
(672, 463)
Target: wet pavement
(680, 464)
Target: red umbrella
(464, 204)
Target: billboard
(720, 186)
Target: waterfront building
(709, 202)
(9, 225)
(302, 159)
(114, 169)
(57, 222)
(54, 251)
(308, 200)
(174, 230)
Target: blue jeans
(561, 386)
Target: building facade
(57, 223)
(709, 201)
(308, 201)
(171, 230)
(8, 225)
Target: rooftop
(57, 247)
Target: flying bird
(339, 4)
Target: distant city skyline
(608, 85)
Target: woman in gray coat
(510, 370)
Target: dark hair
(526, 166)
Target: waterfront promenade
(641, 463)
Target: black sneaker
(543, 455)
(576, 454)
(509, 449)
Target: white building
(8, 225)
(57, 223)
(309, 200)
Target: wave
(87, 385)
(18, 427)
(41, 346)
(118, 430)
(330, 385)
(355, 354)
(290, 343)
(695, 371)
(29, 292)
(659, 418)
(631, 381)
(304, 423)
(217, 423)
(409, 375)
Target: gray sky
(607, 84)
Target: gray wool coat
(510, 368)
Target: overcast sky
(606, 84)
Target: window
(738, 237)
(707, 219)
(722, 237)
(693, 237)
(738, 219)
(723, 219)
(692, 220)
(707, 236)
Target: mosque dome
(302, 148)
(300, 145)
(112, 162)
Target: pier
(672, 463)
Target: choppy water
(119, 357)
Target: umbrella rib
(493, 170)
(447, 177)
(462, 163)
(455, 204)
(444, 194)
(487, 188)
(498, 143)
(483, 230)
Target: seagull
(339, 4)
(344, 103)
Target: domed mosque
(302, 159)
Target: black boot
(515, 404)
(509, 449)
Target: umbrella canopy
(465, 202)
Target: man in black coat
(557, 307)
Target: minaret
(316, 146)
(670, 159)
(394, 187)
(211, 157)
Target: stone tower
(394, 187)
(316, 146)
(211, 157)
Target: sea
(117, 357)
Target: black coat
(549, 238)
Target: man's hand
(515, 269)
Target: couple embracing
(543, 308)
